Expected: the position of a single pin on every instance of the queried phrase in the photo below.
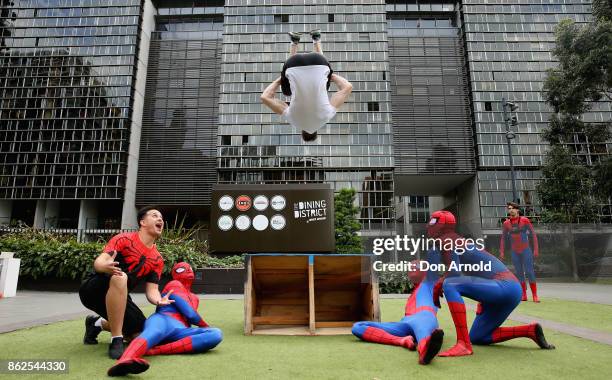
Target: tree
(583, 77)
(346, 223)
(572, 185)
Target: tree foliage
(563, 188)
(346, 223)
(571, 187)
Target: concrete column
(52, 213)
(468, 206)
(128, 215)
(436, 203)
(88, 214)
(6, 210)
(39, 214)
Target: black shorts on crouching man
(93, 296)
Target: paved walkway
(593, 293)
(31, 308)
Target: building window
(373, 106)
(384, 75)
(245, 140)
(488, 106)
(281, 18)
(330, 18)
(226, 140)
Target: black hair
(143, 212)
(513, 204)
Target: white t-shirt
(309, 108)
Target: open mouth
(159, 225)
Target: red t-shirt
(135, 259)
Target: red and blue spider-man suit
(518, 230)
(419, 322)
(170, 326)
(497, 290)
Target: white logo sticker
(260, 222)
(225, 222)
(278, 202)
(261, 202)
(226, 203)
(278, 222)
(243, 222)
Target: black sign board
(272, 218)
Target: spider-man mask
(441, 222)
(183, 273)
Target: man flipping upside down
(306, 78)
(170, 326)
(497, 291)
(419, 322)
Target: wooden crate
(308, 294)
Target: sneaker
(127, 366)
(315, 34)
(295, 37)
(115, 349)
(91, 330)
(308, 137)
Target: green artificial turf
(589, 315)
(319, 357)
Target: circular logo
(243, 203)
(225, 222)
(243, 222)
(260, 222)
(226, 203)
(278, 202)
(260, 202)
(278, 222)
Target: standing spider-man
(517, 229)
(419, 322)
(497, 290)
(169, 325)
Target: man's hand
(438, 292)
(165, 300)
(111, 266)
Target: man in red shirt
(127, 259)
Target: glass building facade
(179, 130)
(355, 148)
(107, 106)
(509, 47)
(67, 70)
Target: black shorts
(303, 59)
(93, 296)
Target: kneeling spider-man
(497, 292)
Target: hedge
(51, 255)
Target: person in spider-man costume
(497, 290)
(420, 321)
(517, 229)
(170, 327)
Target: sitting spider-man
(170, 326)
(497, 290)
(420, 321)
